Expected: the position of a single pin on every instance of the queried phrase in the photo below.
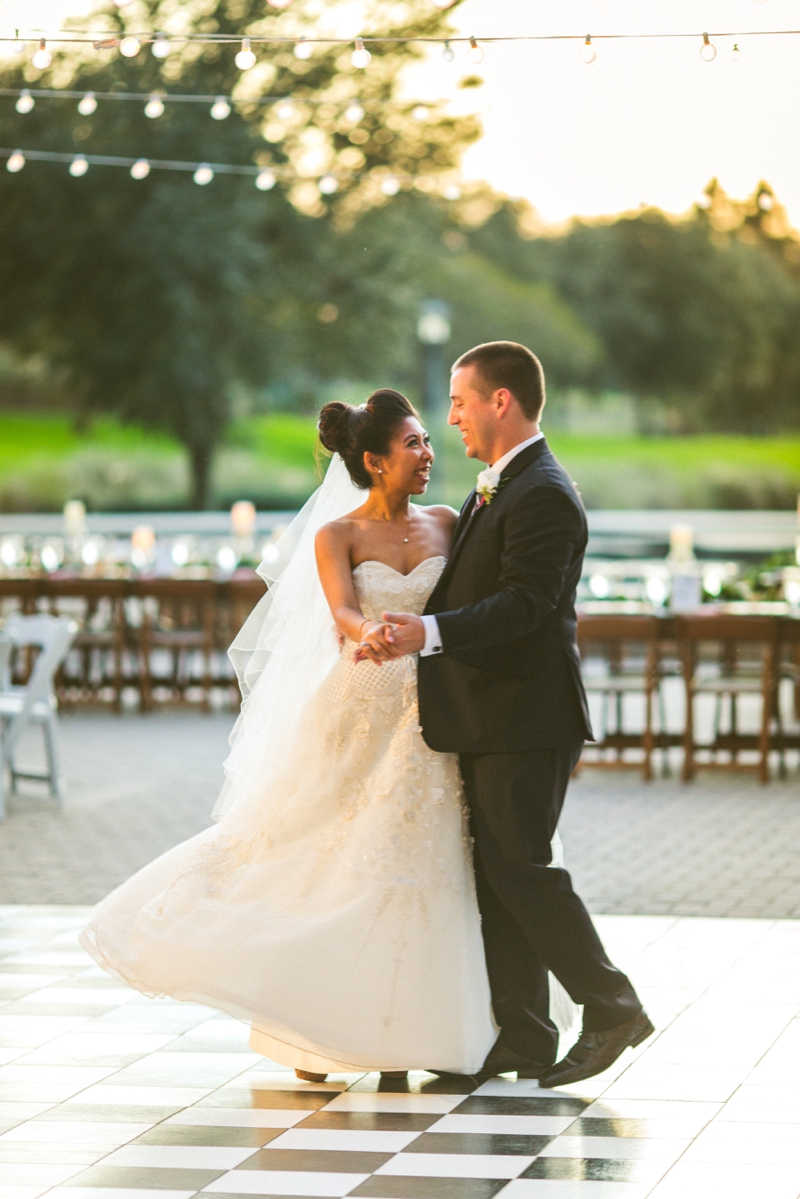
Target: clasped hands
(396, 634)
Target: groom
(500, 685)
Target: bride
(333, 904)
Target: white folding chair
(35, 702)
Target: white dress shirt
(433, 640)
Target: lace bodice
(381, 588)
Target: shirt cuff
(433, 640)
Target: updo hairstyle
(353, 432)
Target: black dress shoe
(594, 1052)
(502, 1060)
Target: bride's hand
(375, 644)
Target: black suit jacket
(508, 678)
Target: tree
(157, 297)
(690, 312)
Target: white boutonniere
(487, 485)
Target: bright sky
(647, 122)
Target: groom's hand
(408, 635)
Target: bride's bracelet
(367, 620)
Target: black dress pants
(532, 919)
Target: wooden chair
(177, 628)
(93, 671)
(620, 655)
(788, 678)
(238, 597)
(728, 657)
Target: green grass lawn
(45, 461)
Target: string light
(285, 111)
(220, 109)
(421, 112)
(360, 57)
(140, 169)
(245, 59)
(26, 102)
(129, 47)
(390, 186)
(280, 3)
(160, 47)
(475, 53)
(264, 177)
(448, 54)
(42, 57)
(354, 112)
(303, 49)
(588, 53)
(16, 162)
(708, 52)
(154, 107)
(87, 105)
(736, 53)
(17, 46)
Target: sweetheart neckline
(377, 562)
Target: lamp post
(433, 333)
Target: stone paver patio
(136, 785)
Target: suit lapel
(466, 518)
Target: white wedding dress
(338, 915)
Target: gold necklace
(394, 527)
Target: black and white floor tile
(107, 1095)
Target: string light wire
(265, 177)
(112, 39)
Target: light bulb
(736, 53)
(87, 105)
(448, 54)
(280, 3)
(328, 184)
(140, 169)
(220, 109)
(588, 53)
(203, 174)
(303, 49)
(390, 186)
(285, 111)
(26, 102)
(245, 59)
(129, 47)
(265, 180)
(475, 53)
(354, 112)
(708, 52)
(42, 57)
(15, 162)
(161, 46)
(17, 46)
(154, 107)
(420, 113)
(452, 192)
(361, 56)
(79, 166)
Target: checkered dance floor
(107, 1095)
